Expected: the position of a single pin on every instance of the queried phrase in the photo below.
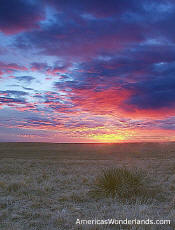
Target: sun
(109, 138)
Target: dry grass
(126, 184)
(45, 186)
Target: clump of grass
(77, 198)
(120, 182)
(2, 185)
(14, 187)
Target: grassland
(49, 186)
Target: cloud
(15, 93)
(25, 79)
(107, 67)
(70, 39)
(54, 70)
(98, 9)
(17, 16)
(81, 30)
(10, 68)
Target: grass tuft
(120, 182)
(14, 187)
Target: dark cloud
(149, 82)
(99, 9)
(154, 94)
(54, 70)
(9, 68)
(27, 88)
(16, 93)
(73, 35)
(81, 40)
(17, 15)
(6, 100)
(26, 79)
(39, 66)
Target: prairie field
(50, 186)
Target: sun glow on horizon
(109, 138)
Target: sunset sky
(87, 70)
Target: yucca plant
(120, 182)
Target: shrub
(121, 182)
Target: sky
(87, 71)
